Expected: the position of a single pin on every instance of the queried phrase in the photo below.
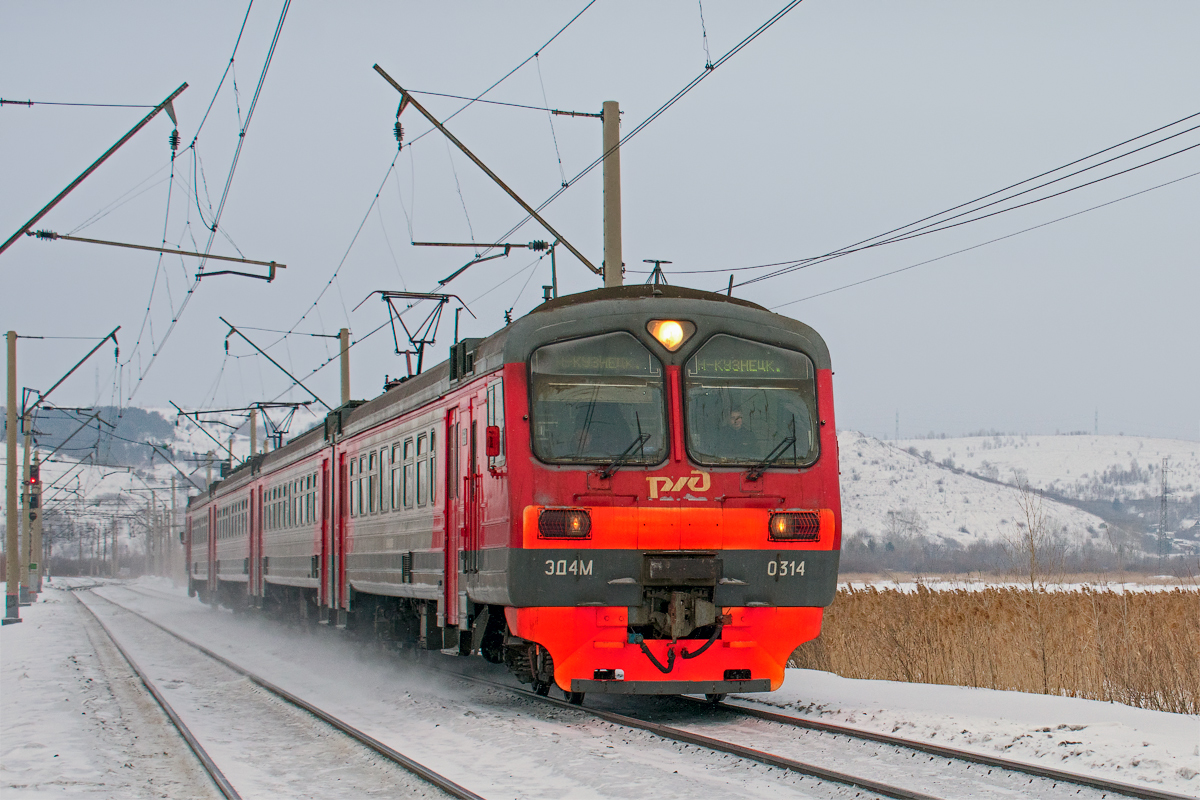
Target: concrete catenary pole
(12, 547)
(344, 343)
(612, 194)
(253, 442)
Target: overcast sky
(841, 122)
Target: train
(629, 490)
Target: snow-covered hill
(1075, 466)
(889, 493)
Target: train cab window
(597, 399)
(749, 403)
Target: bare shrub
(1137, 648)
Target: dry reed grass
(1137, 648)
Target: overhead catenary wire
(1159, 129)
(984, 244)
(224, 196)
(392, 165)
(4, 102)
(946, 224)
(692, 84)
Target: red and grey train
(629, 490)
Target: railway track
(1116, 787)
(1072, 783)
(860, 783)
(222, 781)
(1043, 781)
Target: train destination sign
(728, 357)
(608, 354)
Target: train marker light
(671, 333)
(561, 523)
(796, 526)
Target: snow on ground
(883, 485)
(1076, 466)
(62, 729)
(1106, 740)
(77, 721)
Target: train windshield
(598, 399)
(750, 404)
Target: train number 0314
(785, 568)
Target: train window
(383, 494)
(407, 498)
(371, 481)
(598, 399)
(422, 463)
(432, 468)
(396, 504)
(495, 416)
(749, 403)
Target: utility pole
(613, 265)
(344, 344)
(253, 447)
(897, 426)
(12, 547)
(208, 482)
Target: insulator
(44, 235)
(173, 139)
(399, 131)
(539, 245)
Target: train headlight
(563, 523)
(795, 526)
(671, 333)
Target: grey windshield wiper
(781, 448)
(617, 462)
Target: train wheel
(575, 698)
(714, 698)
(541, 688)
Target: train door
(211, 553)
(455, 516)
(251, 545)
(324, 584)
(341, 510)
(474, 502)
(256, 543)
